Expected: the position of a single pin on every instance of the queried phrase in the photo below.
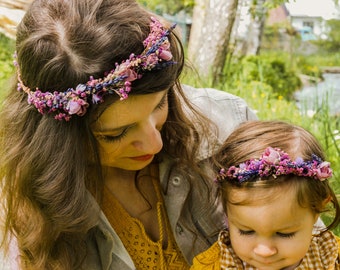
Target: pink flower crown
(156, 55)
(275, 162)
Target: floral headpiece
(156, 55)
(275, 162)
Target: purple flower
(96, 99)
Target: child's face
(270, 234)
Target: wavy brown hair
(250, 140)
(45, 167)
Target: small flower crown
(156, 55)
(275, 162)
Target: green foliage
(307, 67)
(270, 4)
(324, 59)
(332, 43)
(7, 47)
(170, 6)
(269, 70)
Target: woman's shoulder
(226, 110)
(211, 94)
(213, 101)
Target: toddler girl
(274, 184)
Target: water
(326, 93)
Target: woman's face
(128, 131)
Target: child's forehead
(276, 208)
(260, 194)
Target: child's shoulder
(337, 238)
(208, 260)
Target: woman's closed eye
(163, 102)
(113, 138)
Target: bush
(7, 47)
(273, 72)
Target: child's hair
(47, 165)
(250, 140)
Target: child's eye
(242, 232)
(286, 235)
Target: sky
(323, 8)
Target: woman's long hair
(45, 162)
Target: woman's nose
(149, 140)
(265, 250)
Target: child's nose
(265, 250)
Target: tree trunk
(199, 13)
(212, 25)
(256, 26)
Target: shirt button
(176, 181)
(179, 229)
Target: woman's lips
(142, 158)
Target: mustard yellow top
(145, 253)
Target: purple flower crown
(275, 162)
(156, 55)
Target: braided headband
(275, 162)
(156, 55)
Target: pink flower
(131, 75)
(271, 156)
(165, 55)
(77, 107)
(323, 171)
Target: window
(308, 24)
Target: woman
(101, 132)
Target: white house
(310, 27)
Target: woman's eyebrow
(112, 130)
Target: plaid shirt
(323, 254)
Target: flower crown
(275, 162)
(156, 55)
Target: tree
(210, 34)
(258, 12)
(212, 29)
